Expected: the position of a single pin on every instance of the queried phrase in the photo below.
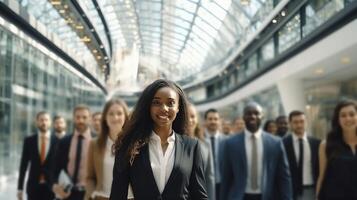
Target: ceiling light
(245, 2)
(95, 51)
(346, 60)
(56, 2)
(79, 27)
(274, 21)
(85, 39)
(99, 57)
(62, 11)
(283, 13)
(319, 71)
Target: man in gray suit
(214, 138)
(254, 165)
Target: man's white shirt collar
(47, 134)
(296, 138)
(212, 134)
(257, 134)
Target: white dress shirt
(248, 149)
(161, 163)
(39, 142)
(307, 165)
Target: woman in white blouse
(154, 156)
(100, 157)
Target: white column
(292, 94)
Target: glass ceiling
(44, 12)
(186, 36)
(179, 37)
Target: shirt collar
(249, 134)
(47, 134)
(296, 138)
(155, 137)
(109, 142)
(86, 134)
(212, 134)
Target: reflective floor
(8, 187)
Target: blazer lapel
(265, 164)
(37, 148)
(243, 155)
(52, 146)
(290, 151)
(147, 167)
(178, 156)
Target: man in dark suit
(214, 138)
(254, 164)
(71, 156)
(38, 151)
(302, 152)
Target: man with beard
(303, 155)
(282, 125)
(38, 151)
(71, 156)
(59, 126)
(254, 165)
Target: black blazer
(61, 157)
(314, 149)
(31, 155)
(185, 182)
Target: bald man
(255, 166)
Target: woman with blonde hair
(194, 131)
(100, 157)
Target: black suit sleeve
(284, 177)
(25, 158)
(197, 179)
(120, 182)
(60, 157)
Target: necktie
(43, 149)
(42, 156)
(254, 175)
(213, 140)
(78, 159)
(301, 164)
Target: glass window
(267, 51)
(319, 11)
(252, 66)
(290, 33)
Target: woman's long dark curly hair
(137, 130)
(335, 143)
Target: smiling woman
(153, 155)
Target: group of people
(160, 151)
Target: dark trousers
(217, 190)
(42, 191)
(252, 196)
(76, 195)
